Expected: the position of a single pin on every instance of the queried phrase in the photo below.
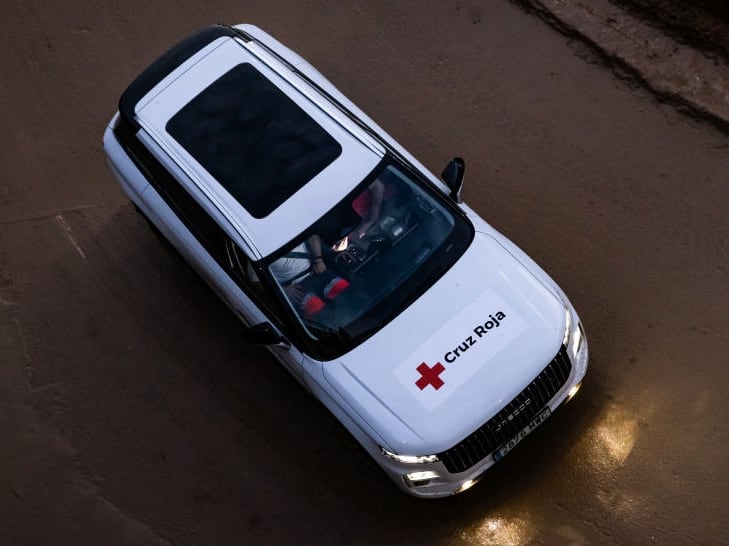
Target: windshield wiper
(318, 328)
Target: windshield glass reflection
(368, 255)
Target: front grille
(509, 421)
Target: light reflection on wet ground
(613, 438)
(604, 448)
(501, 530)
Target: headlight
(409, 459)
(417, 478)
(567, 326)
(574, 340)
(578, 346)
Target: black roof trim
(167, 63)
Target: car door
(255, 304)
(203, 243)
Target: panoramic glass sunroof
(253, 139)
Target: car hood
(456, 356)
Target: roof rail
(167, 63)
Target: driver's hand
(318, 265)
(295, 292)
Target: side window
(245, 274)
(189, 211)
(204, 228)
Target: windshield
(368, 258)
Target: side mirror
(453, 176)
(262, 334)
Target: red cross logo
(430, 376)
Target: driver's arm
(317, 262)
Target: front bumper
(435, 480)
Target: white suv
(433, 338)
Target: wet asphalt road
(131, 412)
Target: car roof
(297, 155)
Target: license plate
(523, 433)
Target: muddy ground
(702, 23)
(131, 412)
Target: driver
(305, 278)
